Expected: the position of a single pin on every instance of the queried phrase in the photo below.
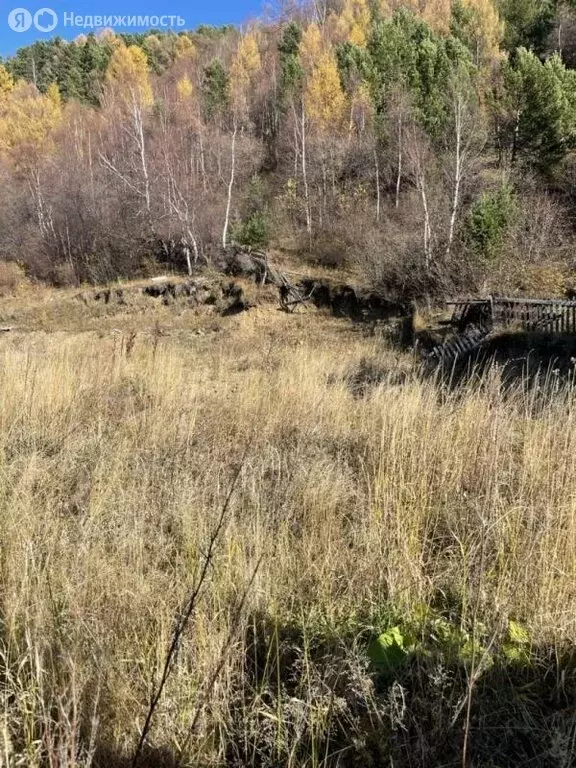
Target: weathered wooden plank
(550, 315)
(541, 302)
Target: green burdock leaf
(387, 652)
(516, 648)
(518, 634)
(472, 650)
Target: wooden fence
(474, 319)
(545, 315)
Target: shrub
(253, 231)
(252, 228)
(488, 221)
(11, 275)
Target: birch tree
(129, 94)
(28, 120)
(421, 162)
(486, 29)
(310, 49)
(182, 203)
(465, 141)
(322, 109)
(246, 64)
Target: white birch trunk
(202, 160)
(305, 175)
(139, 134)
(230, 187)
(421, 183)
(400, 160)
(458, 168)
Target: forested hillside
(426, 145)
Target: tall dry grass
(113, 470)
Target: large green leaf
(387, 652)
(516, 648)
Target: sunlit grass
(114, 468)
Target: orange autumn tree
(128, 98)
(436, 13)
(324, 104)
(185, 49)
(245, 66)
(128, 78)
(324, 99)
(352, 25)
(27, 119)
(486, 29)
(6, 83)
(182, 173)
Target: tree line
(426, 144)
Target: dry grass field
(360, 502)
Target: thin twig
(185, 615)
(475, 672)
(215, 675)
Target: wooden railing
(546, 315)
(474, 319)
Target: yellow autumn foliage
(489, 26)
(54, 96)
(436, 13)
(128, 77)
(6, 83)
(185, 49)
(27, 117)
(324, 98)
(184, 88)
(246, 64)
(353, 22)
(311, 47)
(362, 107)
(248, 55)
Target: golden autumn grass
(116, 454)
